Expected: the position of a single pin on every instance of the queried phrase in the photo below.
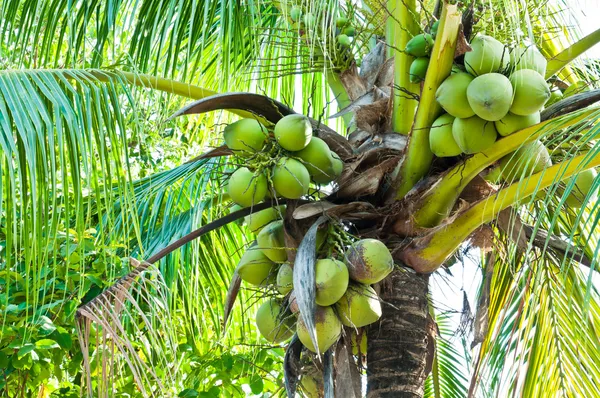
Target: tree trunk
(397, 344)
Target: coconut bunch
(307, 21)
(278, 163)
(420, 47)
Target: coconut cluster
(281, 162)
(420, 47)
(307, 22)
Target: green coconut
(272, 322)
(328, 326)
(528, 159)
(256, 268)
(360, 306)
(233, 209)
(285, 281)
(344, 40)
(576, 88)
(441, 140)
(530, 92)
(359, 347)
(338, 165)
(583, 185)
(369, 261)
(488, 55)
(293, 132)
(418, 69)
(247, 188)
(555, 96)
(318, 160)
(256, 221)
(331, 277)
(490, 96)
(474, 134)
(434, 28)
(296, 14)
(340, 22)
(245, 137)
(420, 45)
(271, 240)
(452, 95)
(349, 31)
(311, 382)
(290, 178)
(528, 58)
(512, 123)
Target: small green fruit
(418, 69)
(285, 280)
(360, 306)
(331, 277)
(318, 161)
(309, 20)
(340, 22)
(256, 268)
(452, 95)
(576, 88)
(420, 45)
(487, 55)
(530, 92)
(338, 165)
(369, 261)
(528, 58)
(328, 327)
(584, 183)
(290, 178)
(256, 221)
(271, 240)
(512, 123)
(441, 139)
(528, 159)
(271, 323)
(245, 188)
(555, 96)
(296, 14)
(490, 96)
(293, 132)
(349, 31)
(344, 40)
(245, 137)
(311, 382)
(473, 134)
(434, 28)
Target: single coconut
(369, 261)
(359, 347)
(317, 159)
(296, 14)
(256, 268)
(340, 22)
(257, 221)
(528, 159)
(452, 95)
(331, 277)
(418, 69)
(271, 240)
(272, 322)
(473, 134)
(309, 21)
(360, 306)
(512, 123)
(311, 382)
(487, 55)
(233, 209)
(441, 140)
(293, 132)
(328, 328)
(576, 88)
(344, 40)
(290, 178)
(584, 183)
(434, 28)
(285, 281)
(247, 188)
(349, 31)
(490, 96)
(528, 58)
(555, 96)
(245, 137)
(338, 165)
(530, 92)
(420, 45)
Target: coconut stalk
(341, 95)
(400, 28)
(428, 253)
(418, 155)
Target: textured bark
(397, 344)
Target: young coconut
(328, 327)
(257, 221)
(344, 40)
(369, 261)
(245, 137)
(530, 92)
(296, 14)
(349, 31)
(271, 241)
(256, 268)
(420, 45)
(474, 134)
(490, 96)
(293, 132)
(331, 277)
(584, 182)
(441, 139)
(576, 88)
(233, 209)
(452, 95)
(418, 69)
(311, 382)
(318, 161)
(528, 58)
(247, 188)
(434, 28)
(555, 96)
(271, 322)
(290, 178)
(360, 306)
(338, 165)
(285, 281)
(488, 55)
(528, 159)
(512, 123)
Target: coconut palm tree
(115, 220)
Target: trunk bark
(397, 344)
